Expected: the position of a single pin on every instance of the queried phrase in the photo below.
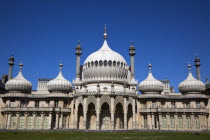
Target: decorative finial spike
(21, 65)
(131, 42)
(105, 34)
(61, 65)
(189, 66)
(150, 67)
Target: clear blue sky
(44, 32)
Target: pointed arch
(80, 118)
(130, 117)
(105, 117)
(119, 117)
(91, 117)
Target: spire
(78, 48)
(150, 67)
(105, 34)
(61, 65)
(132, 49)
(189, 67)
(21, 66)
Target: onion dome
(59, 84)
(151, 85)
(191, 85)
(105, 65)
(19, 83)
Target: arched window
(100, 63)
(172, 122)
(96, 63)
(21, 121)
(30, 121)
(13, 121)
(188, 122)
(118, 64)
(88, 64)
(197, 123)
(110, 63)
(105, 63)
(38, 121)
(180, 122)
(122, 64)
(145, 122)
(114, 63)
(92, 64)
(46, 121)
(164, 125)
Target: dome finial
(105, 34)
(150, 67)
(189, 66)
(21, 65)
(61, 65)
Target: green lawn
(77, 135)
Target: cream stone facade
(104, 96)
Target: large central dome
(105, 65)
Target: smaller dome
(191, 85)
(150, 85)
(19, 83)
(59, 84)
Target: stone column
(42, 120)
(26, 120)
(200, 121)
(98, 112)
(76, 114)
(34, 120)
(71, 117)
(9, 120)
(159, 121)
(125, 113)
(193, 122)
(149, 121)
(50, 120)
(176, 121)
(85, 113)
(112, 112)
(61, 121)
(134, 113)
(57, 120)
(153, 121)
(184, 121)
(17, 120)
(168, 121)
(5, 120)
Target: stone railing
(177, 110)
(174, 96)
(34, 109)
(23, 95)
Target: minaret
(132, 53)
(197, 65)
(78, 53)
(11, 63)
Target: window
(46, 121)
(88, 64)
(172, 122)
(22, 103)
(38, 121)
(92, 64)
(173, 105)
(153, 104)
(110, 63)
(105, 63)
(13, 121)
(180, 122)
(12, 103)
(164, 125)
(198, 105)
(56, 103)
(145, 122)
(96, 63)
(37, 103)
(65, 104)
(188, 122)
(118, 64)
(197, 123)
(22, 121)
(121, 64)
(100, 63)
(187, 104)
(114, 63)
(30, 121)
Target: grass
(82, 135)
